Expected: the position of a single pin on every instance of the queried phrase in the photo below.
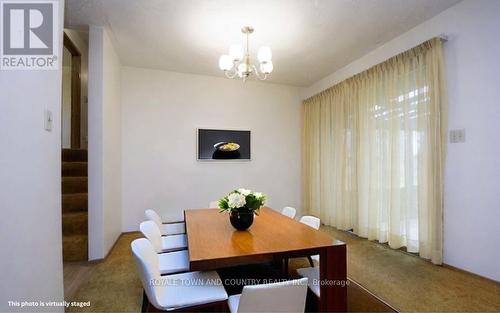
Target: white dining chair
(162, 243)
(180, 291)
(213, 205)
(287, 296)
(289, 211)
(312, 273)
(315, 260)
(311, 221)
(315, 223)
(173, 228)
(172, 262)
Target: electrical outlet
(457, 135)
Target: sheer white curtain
(373, 151)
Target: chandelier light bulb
(225, 62)
(236, 52)
(266, 68)
(264, 55)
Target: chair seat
(233, 302)
(173, 229)
(174, 242)
(313, 274)
(173, 262)
(190, 289)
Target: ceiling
(310, 39)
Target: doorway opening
(71, 95)
(74, 158)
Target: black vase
(241, 219)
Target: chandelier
(237, 64)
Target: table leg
(333, 277)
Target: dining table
(214, 244)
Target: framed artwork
(223, 144)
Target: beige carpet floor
(112, 285)
(406, 282)
(411, 284)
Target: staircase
(74, 205)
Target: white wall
(112, 167)
(30, 187)
(104, 114)
(472, 198)
(161, 111)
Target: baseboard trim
(131, 232)
(451, 267)
(95, 261)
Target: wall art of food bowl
(223, 144)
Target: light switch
(48, 120)
(457, 135)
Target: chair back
(148, 265)
(289, 211)
(151, 231)
(151, 215)
(288, 296)
(213, 204)
(311, 221)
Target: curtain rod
(443, 37)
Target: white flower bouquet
(242, 199)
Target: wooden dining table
(213, 244)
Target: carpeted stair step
(74, 155)
(74, 184)
(74, 169)
(74, 223)
(74, 202)
(75, 248)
